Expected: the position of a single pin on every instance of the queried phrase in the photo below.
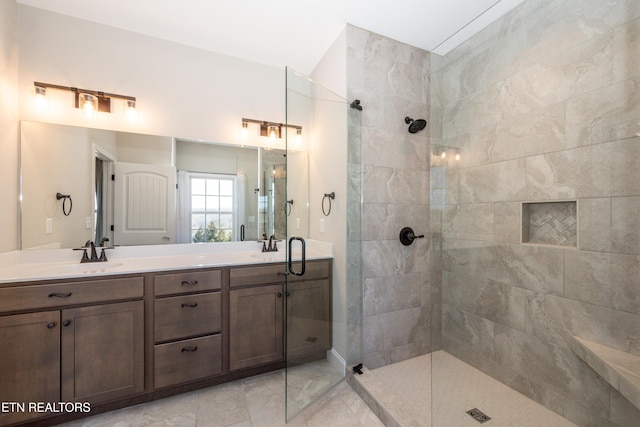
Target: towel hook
(328, 196)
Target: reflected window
(212, 201)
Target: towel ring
(330, 196)
(64, 198)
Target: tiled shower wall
(543, 105)
(391, 80)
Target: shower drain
(478, 415)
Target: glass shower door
(316, 343)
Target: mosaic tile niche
(550, 223)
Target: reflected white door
(145, 197)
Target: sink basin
(86, 268)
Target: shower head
(415, 126)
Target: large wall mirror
(81, 184)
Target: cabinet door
(256, 326)
(102, 352)
(308, 319)
(29, 362)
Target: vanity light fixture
(87, 99)
(269, 129)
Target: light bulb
(457, 156)
(443, 155)
(244, 133)
(88, 104)
(299, 137)
(39, 101)
(131, 113)
(272, 132)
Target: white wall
(181, 91)
(328, 173)
(9, 125)
(331, 71)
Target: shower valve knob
(407, 236)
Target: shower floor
(401, 395)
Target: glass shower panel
(318, 344)
(535, 138)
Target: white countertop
(47, 264)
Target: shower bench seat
(618, 368)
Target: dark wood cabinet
(256, 326)
(29, 362)
(73, 352)
(256, 308)
(102, 352)
(187, 360)
(188, 327)
(131, 338)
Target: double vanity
(151, 322)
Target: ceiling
(293, 33)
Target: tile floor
(403, 392)
(400, 393)
(252, 402)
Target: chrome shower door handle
(290, 255)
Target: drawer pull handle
(279, 294)
(51, 325)
(190, 349)
(66, 323)
(58, 295)
(189, 282)
(192, 305)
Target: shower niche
(550, 223)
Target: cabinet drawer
(179, 283)
(260, 275)
(313, 270)
(187, 315)
(65, 294)
(187, 360)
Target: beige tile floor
(252, 402)
(404, 390)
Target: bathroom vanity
(132, 334)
